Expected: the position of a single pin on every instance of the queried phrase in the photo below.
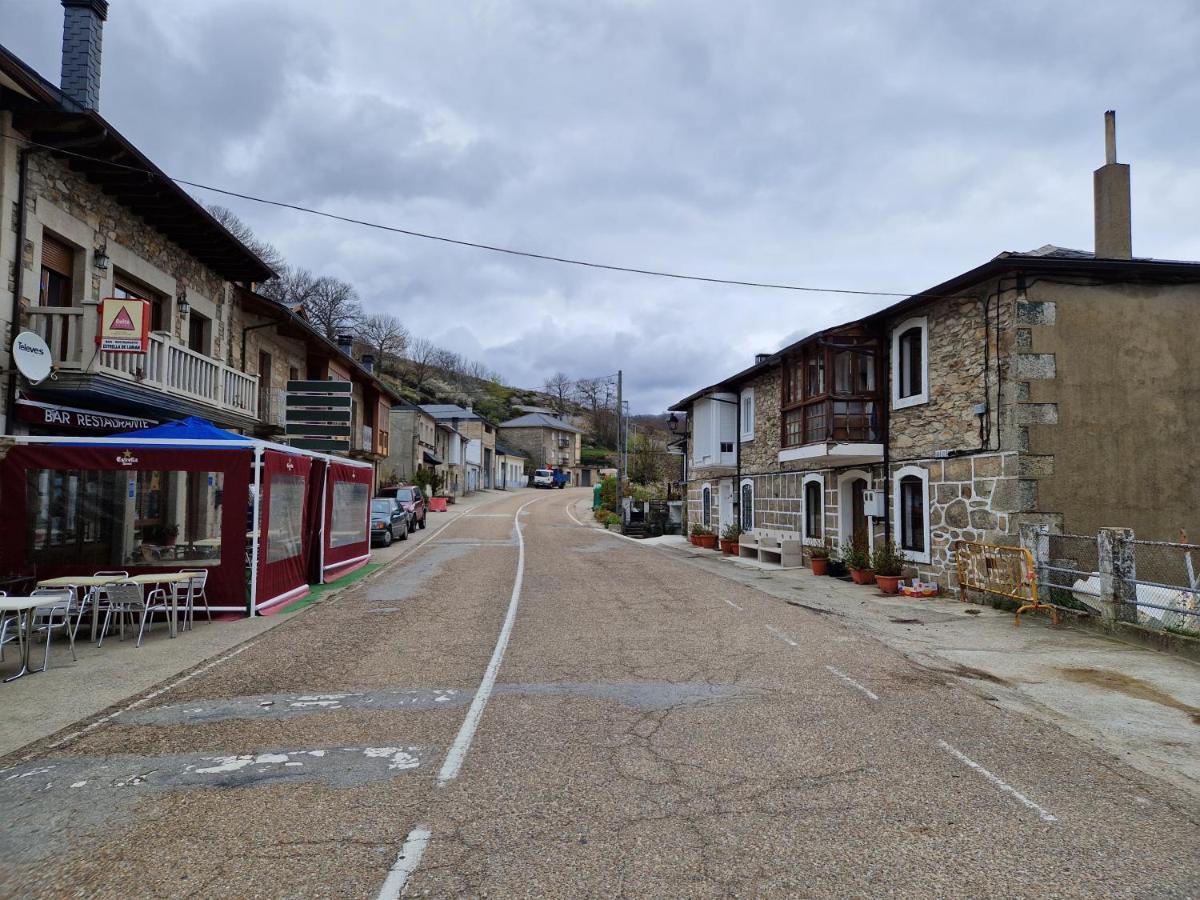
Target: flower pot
(693, 539)
(729, 548)
(889, 584)
(862, 576)
(820, 565)
(707, 541)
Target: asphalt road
(565, 713)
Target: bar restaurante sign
(51, 415)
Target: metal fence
(1115, 576)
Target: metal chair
(125, 599)
(199, 581)
(55, 614)
(97, 595)
(5, 637)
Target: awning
(432, 458)
(77, 418)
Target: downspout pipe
(885, 402)
(10, 404)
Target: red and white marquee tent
(187, 495)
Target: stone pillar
(1036, 539)
(1118, 568)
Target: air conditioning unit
(873, 504)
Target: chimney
(345, 343)
(83, 28)
(760, 358)
(368, 361)
(1114, 229)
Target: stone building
(414, 439)
(547, 441)
(479, 462)
(1051, 387)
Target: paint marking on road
(406, 863)
(462, 742)
(1043, 814)
(146, 699)
(838, 673)
(783, 637)
(734, 605)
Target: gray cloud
(860, 144)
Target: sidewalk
(1139, 704)
(37, 706)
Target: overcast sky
(868, 145)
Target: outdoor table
(171, 578)
(24, 605)
(80, 583)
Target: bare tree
(385, 335)
(293, 287)
(561, 388)
(422, 355)
(332, 307)
(596, 394)
(264, 250)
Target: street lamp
(673, 423)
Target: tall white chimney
(1114, 228)
(83, 29)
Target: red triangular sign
(122, 322)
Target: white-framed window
(706, 506)
(812, 508)
(910, 512)
(746, 504)
(747, 429)
(910, 363)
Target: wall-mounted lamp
(673, 423)
(183, 306)
(100, 260)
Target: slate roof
(540, 420)
(447, 411)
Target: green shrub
(887, 559)
(731, 532)
(856, 555)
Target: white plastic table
(26, 606)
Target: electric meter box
(873, 504)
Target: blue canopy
(192, 428)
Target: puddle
(1131, 687)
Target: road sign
(319, 414)
(321, 445)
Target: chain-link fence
(1167, 581)
(1069, 578)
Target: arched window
(910, 364)
(814, 507)
(912, 512)
(746, 506)
(706, 506)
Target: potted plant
(694, 532)
(888, 562)
(705, 538)
(819, 559)
(729, 539)
(858, 560)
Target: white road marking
(572, 515)
(734, 605)
(1043, 814)
(405, 864)
(779, 634)
(850, 681)
(462, 743)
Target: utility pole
(620, 457)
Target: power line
(528, 254)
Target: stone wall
(956, 373)
(762, 454)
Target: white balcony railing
(165, 366)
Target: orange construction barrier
(437, 504)
(1005, 571)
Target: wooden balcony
(166, 366)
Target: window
(58, 265)
(748, 415)
(105, 518)
(814, 507)
(348, 523)
(285, 513)
(199, 332)
(910, 363)
(126, 287)
(830, 391)
(912, 512)
(746, 505)
(706, 506)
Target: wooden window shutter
(57, 256)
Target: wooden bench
(782, 548)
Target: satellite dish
(32, 357)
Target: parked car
(389, 521)
(550, 478)
(412, 498)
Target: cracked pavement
(650, 734)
